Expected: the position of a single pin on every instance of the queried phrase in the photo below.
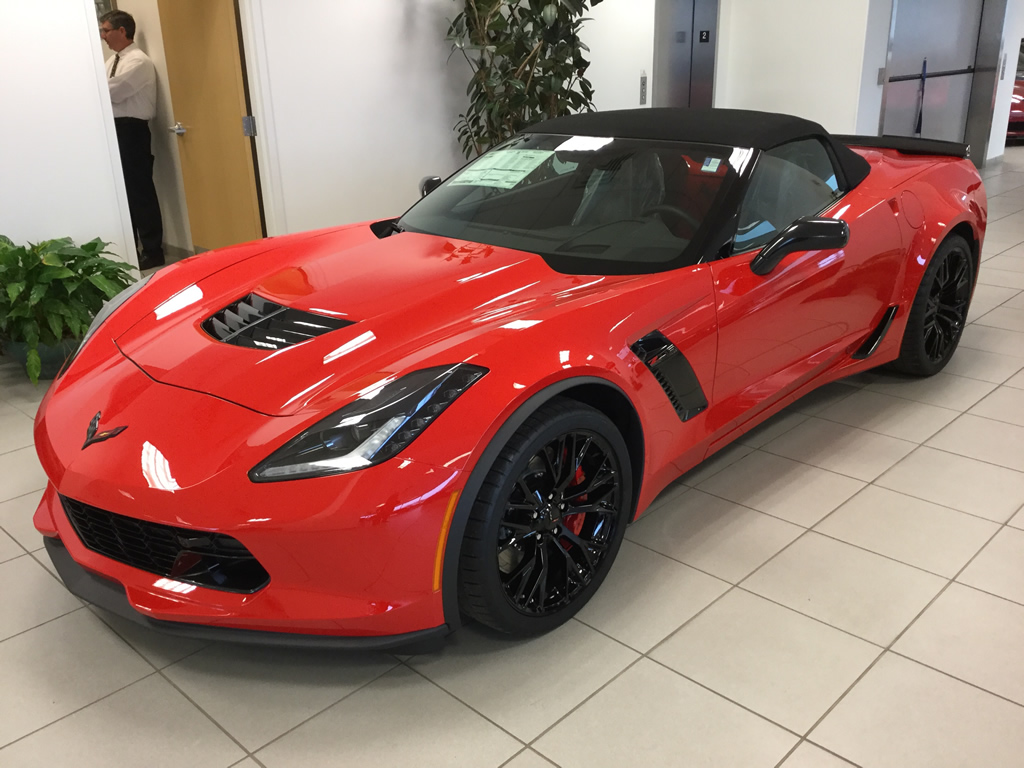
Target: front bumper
(110, 596)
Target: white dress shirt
(133, 87)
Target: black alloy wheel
(939, 312)
(548, 522)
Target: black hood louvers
(674, 372)
(261, 324)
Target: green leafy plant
(528, 64)
(52, 290)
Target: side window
(793, 180)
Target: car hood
(408, 298)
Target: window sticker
(502, 169)
(711, 165)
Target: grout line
(311, 717)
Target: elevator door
(937, 39)
(685, 36)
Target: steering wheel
(672, 210)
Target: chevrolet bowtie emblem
(92, 436)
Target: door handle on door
(177, 128)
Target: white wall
(355, 103)
(803, 57)
(60, 173)
(1013, 31)
(166, 168)
(358, 102)
(620, 36)
(876, 46)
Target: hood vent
(261, 324)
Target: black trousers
(133, 140)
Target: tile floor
(844, 587)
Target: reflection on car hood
(407, 296)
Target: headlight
(371, 429)
(106, 311)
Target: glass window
(588, 205)
(793, 180)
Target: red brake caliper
(574, 522)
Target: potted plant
(49, 294)
(528, 64)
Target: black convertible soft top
(731, 127)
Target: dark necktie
(113, 69)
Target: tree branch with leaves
(528, 65)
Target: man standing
(132, 80)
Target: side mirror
(428, 184)
(807, 234)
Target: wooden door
(204, 69)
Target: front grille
(260, 323)
(213, 560)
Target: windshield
(588, 205)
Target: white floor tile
(16, 518)
(1004, 317)
(904, 715)
(647, 596)
(716, 463)
(147, 724)
(158, 649)
(770, 659)
(781, 487)
(777, 425)
(999, 568)
(969, 485)
(20, 474)
(888, 415)
(821, 398)
(1000, 277)
(528, 759)
(857, 591)
(15, 428)
(944, 390)
(839, 448)
(972, 636)
(988, 297)
(1017, 302)
(975, 364)
(808, 755)
(651, 716)
(257, 694)
(713, 535)
(29, 596)
(9, 548)
(1004, 404)
(984, 439)
(915, 532)
(989, 339)
(1007, 262)
(60, 667)
(525, 685)
(399, 720)
(1016, 381)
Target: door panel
(208, 95)
(777, 331)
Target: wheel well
(620, 410)
(966, 231)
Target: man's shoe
(149, 261)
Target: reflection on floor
(845, 585)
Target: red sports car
(356, 436)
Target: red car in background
(358, 436)
(1015, 128)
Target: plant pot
(52, 358)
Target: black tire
(939, 312)
(538, 543)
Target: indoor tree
(528, 64)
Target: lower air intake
(261, 324)
(212, 560)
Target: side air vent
(674, 372)
(261, 324)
